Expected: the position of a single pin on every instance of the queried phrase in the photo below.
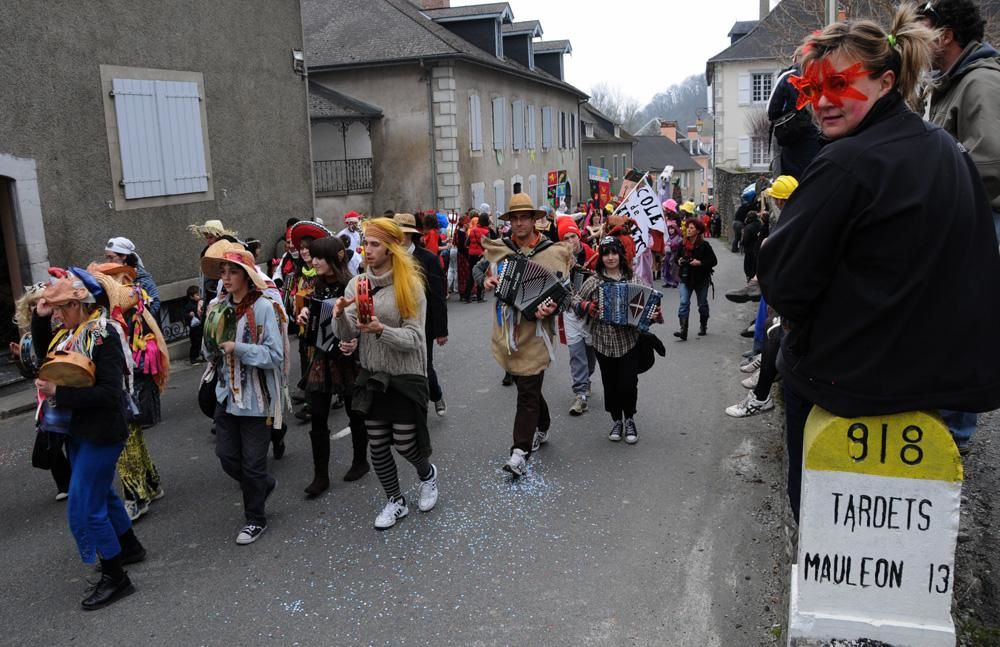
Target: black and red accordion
(525, 285)
(627, 304)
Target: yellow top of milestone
(914, 445)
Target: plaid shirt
(608, 339)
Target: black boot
(133, 552)
(113, 585)
(682, 334)
(703, 329)
(320, 440)
(320, 482)
(359, 442)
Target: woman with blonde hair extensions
(384, 309)
(888, 306)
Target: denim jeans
(96, 515)
(760, 325)
(960, 424)
(685, 308)
(581, 366)
(797, 411)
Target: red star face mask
(820, 79)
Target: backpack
(791, 127)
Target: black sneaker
(250, 533)
(616, 432)
(631, 434)
(508, 379)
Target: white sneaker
(749, 407)
(62, 496)
(517, 464)
(539, 439)
(752, 365)
(392, 511)
(751, 382)
(250, 533)
(427, 492)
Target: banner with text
(645, 211)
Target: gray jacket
(966, 103)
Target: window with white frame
(499, 123)
(588, 129)
(499, 197)
(760, 86)
(758, 152)
(517, 124)
(162, 143)
(478, 193)
(529, 123)
(475, 123)
(546, 127)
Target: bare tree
(620, 107)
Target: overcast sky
(611, 38)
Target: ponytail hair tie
(892, 39)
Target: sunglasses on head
(927, 11)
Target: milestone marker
(877, 530)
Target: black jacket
(436, 321)
(97, 412)
(697, 276)
(885, 264)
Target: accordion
(525, 285)
(627, 304)
(320, 332)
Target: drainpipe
(430, 133)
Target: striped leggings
(382, 435)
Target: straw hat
(304, 229)
(117, 271)
(407, 222)
(213, 228)
(224, 251)
(123, 296)
(520, 203)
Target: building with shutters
(140, 120)
(472, 104)
(604, 143)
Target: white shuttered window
(517, 116)
(475, 123)
(533, 189)
(499, 124)
(530, 124)
(744, 152)
(743, 89)
(160, 137)
(499, 197)
(546, 127)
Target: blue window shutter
(517, 123)
(178, 105)
(499, 124)
(138, 137)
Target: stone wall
(728, 187)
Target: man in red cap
(582, 359)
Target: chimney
(668, 129)
(435, 4)
(765, 8)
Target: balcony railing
(343, 176)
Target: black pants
(194, 335)
(737, 235)
(620, 377)
(468, 285)
(434, 387)
(319, 434)
(797, 410)
(768, 365)
(532, 410)
(55, 449)
(241, 444)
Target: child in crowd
(191, 310)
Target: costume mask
(820, 79)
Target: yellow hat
(782, 187)
(688, 207)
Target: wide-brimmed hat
(688, 207)
(224, 251)
(212, 228)
(407, 222)
(520, 203)
(62, 290)
(306, 229)
(123, 296)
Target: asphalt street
(673, 541)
